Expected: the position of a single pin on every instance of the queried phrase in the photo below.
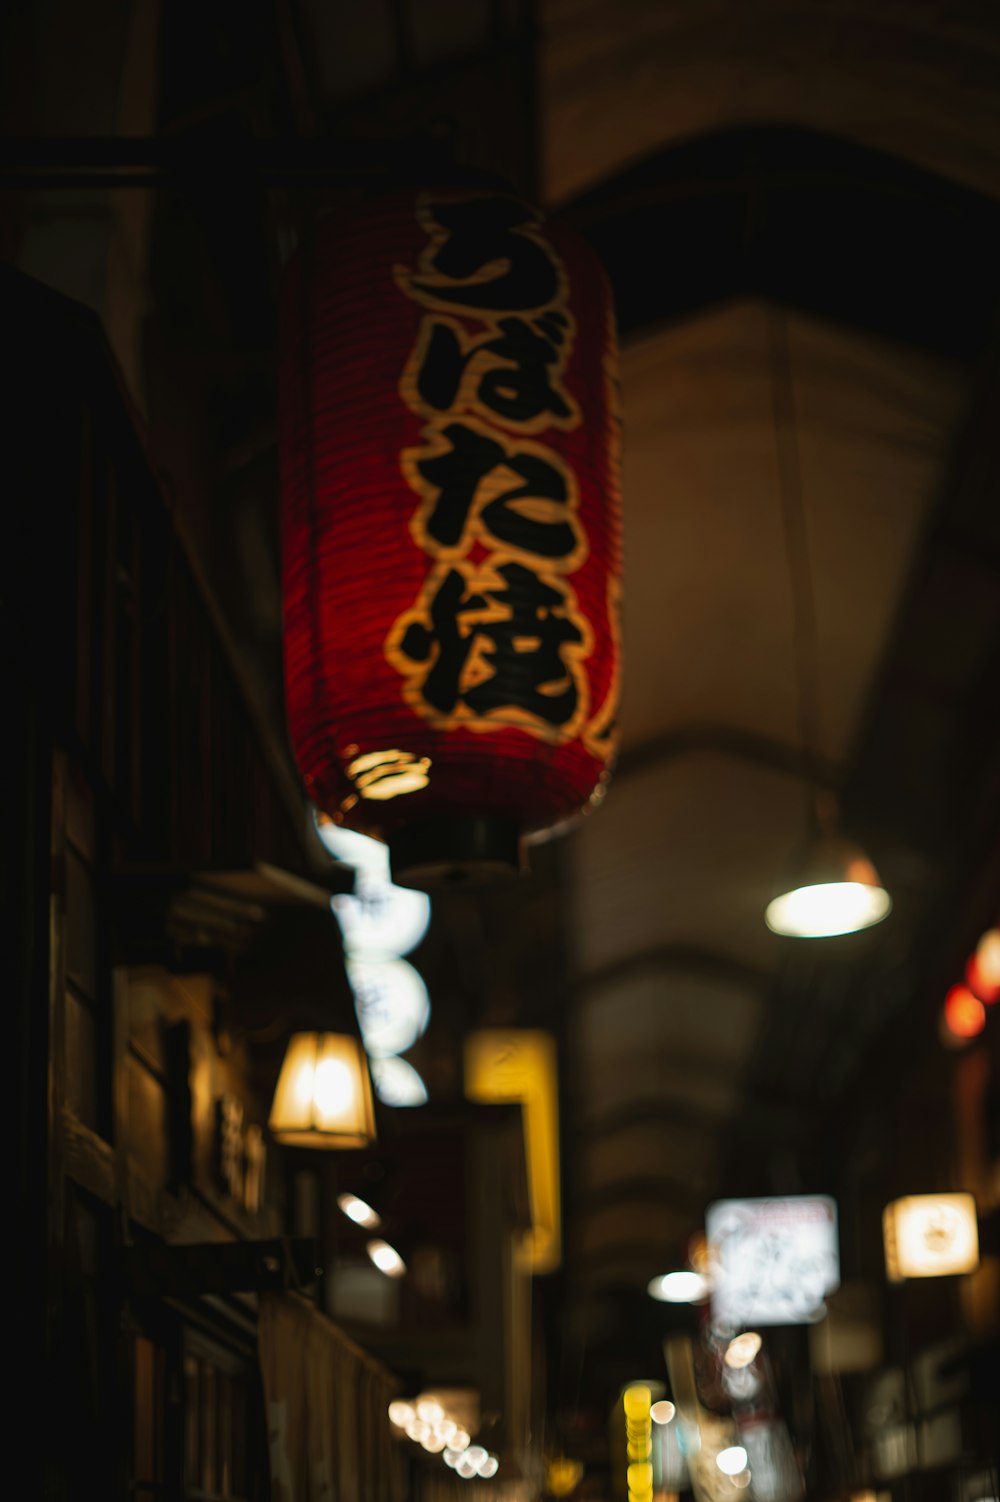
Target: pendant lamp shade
(451, 525)
(832, 889)
(324, 1097)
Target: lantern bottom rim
(432, 853)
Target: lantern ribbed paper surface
(451, 516)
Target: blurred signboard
(773, 1260)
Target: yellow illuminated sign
(519, 1065)
(930, 1235)
(637, 1402)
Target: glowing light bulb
(679, 1288)
(430, 1410)
(662, 1412)
(401, 1413)
(333, 1087)
(460, 1440)
(489, 1467)
(475, 1454)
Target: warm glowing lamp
(964, 1014)
(930, 1236)
(833, 889)
(662, 1412)
(324, 1096)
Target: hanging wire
(805, 636)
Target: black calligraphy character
(441, 685)
(471, 462)
(518, 658)
(483, 233)
(519, 389)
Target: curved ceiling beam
(729, 741)
(652, 1111)
(656, 1111)
(663, 1188)
(691, 959)
(802, 218)
(625, 1259)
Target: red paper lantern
(451, 525)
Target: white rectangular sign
(773, 1260)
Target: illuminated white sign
(366, 855)
(391, 1003)
(380, 923)
(381, 920)
(397, 1083)
(774, 1260)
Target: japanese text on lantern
(496, 635)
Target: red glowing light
(964, 1014)
(980, 983)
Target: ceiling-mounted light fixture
(324, 1094)
(833, 887)
(386, 1259)
(681, 1287)
(359, 1211)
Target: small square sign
(774, 1260)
